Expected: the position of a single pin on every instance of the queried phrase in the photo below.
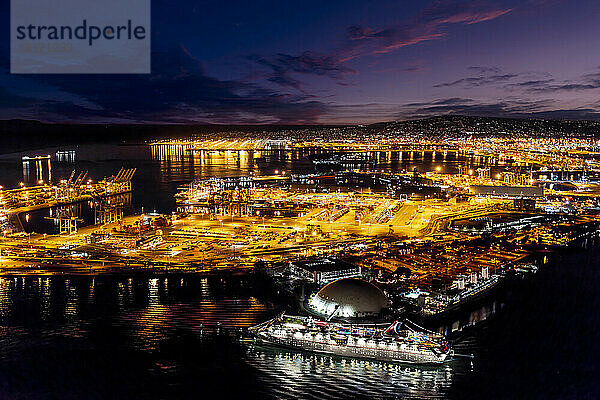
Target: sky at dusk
(309, 62)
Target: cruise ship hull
(378, 354)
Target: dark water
(155, 337)
(159, 337)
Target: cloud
(542, 88)
(475, 81)
(586, 82)
(530, 83)
(439, 102)
(495, 76)
(362, 41)
(527, 82)
(426, 26)
(178, 91)
(508, 108)
(551, 85)
(282, 67)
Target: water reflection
(183, 162)
(469, 316)
(304, 375)
(6, 285)
(143, 317)
(71, 303)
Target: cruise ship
(402, 342)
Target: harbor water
(181, 336)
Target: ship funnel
(473, 277)
(485, 273)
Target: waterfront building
(348, 298)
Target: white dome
(352, 297)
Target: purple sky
(337, 62)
